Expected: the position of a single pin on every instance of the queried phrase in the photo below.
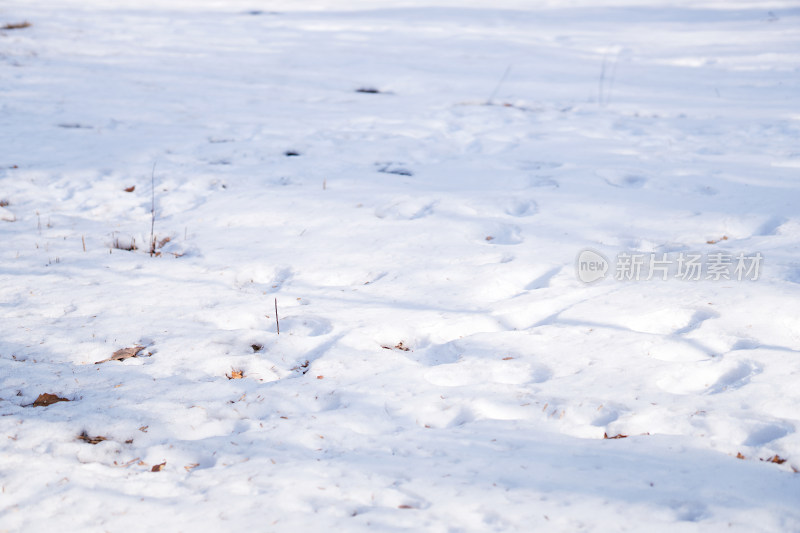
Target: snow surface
(440, 367)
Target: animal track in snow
(709, 377)
(697, 320)
(521, 208)
(407, 209)
(764, 433)
(503, 234)
(543, 281)
(622, 180)
(474, 371)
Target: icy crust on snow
(412, 186)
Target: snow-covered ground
(440, 365)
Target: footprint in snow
(521, 208)
(709, 377)
(503, 234)
(622, 180)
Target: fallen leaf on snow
(124, 353)
(159, 467)
(130, 189)
(91, 440)
(190, 466)
(17, 25)
(724, 238)
(46, 399)
(617, 436)
(235, 374)
(398, 346)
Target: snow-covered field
(412, 185)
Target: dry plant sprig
(153, 210)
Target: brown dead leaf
(489, 238)
(320, 377)
(159, 467)
(191, 466)
(777, 460)
(17, 25)
(617, 436)
(91, 440)
(509, 358)
(46, 399)
(257, 347)
(124, 353)
(398, 346)
(724, 238)
(405, 506)
(740, 456)
(235, 374)
(130, 189)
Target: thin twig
(277, 322)
(499, 83)
(84, 243)
(153, 210)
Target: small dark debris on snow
(617, 436)
(368, 90)
(46, 399)
(130, 189)
(17, 25)
(392, 168)
(291, 153)
(91, 440)
(302, 368)
(4, 203)
(74, 126)
(257, 347)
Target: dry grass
(128, 246)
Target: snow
(440, 365)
